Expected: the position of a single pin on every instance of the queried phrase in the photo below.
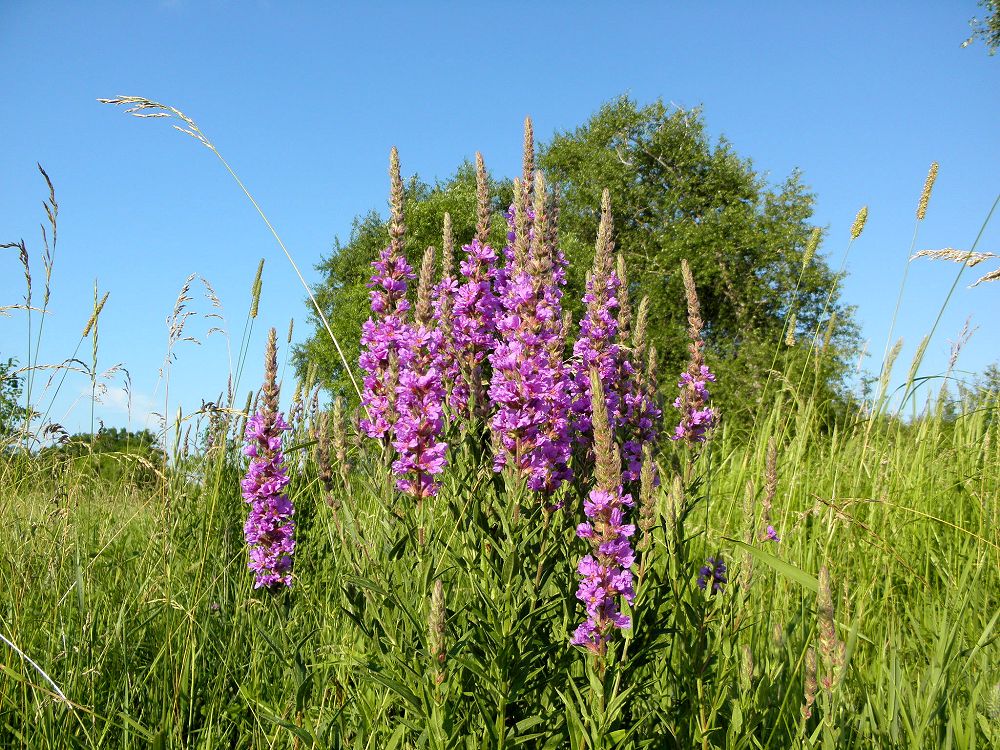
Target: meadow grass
(138, 606)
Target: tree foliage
(10, 393)
(675, 194)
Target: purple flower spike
(771, 535)
(606, 574)
(269, 528)
(529, 386)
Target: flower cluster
(528, 389)
(697, 417)
(269, 528)
(420, 405)
(474, 323)
(382, 334)
(606, 571)
(713, 572)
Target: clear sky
(305, 100)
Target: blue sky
(305, 100)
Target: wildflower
(771, 535)
(420, 400)
(529, 385)
(697, 418)
(269, 528)
(381, 334)
(596, 347)
(714, 571)
(606, 571)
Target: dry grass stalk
(969, 257)
(811, 245)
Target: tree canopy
(675, 194)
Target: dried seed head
(810, 686)
(647, 498)
(528, 171)
(859, 223)
(831, 326)
(291, 328)
(424, 310)
(397, 227)
(482, 200)
(790, 331)
(811, 246)
(269, 393)
(639, 336)
(890, 360)
(94, 315)
(695, 323)
(607, 471)
(651, 369)
(256, 289)
(925, 194)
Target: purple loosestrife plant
(596, 347)
(420, 398)
(382, 334)
(606, 571)
(269, 528)
(697, 417)
(529, 386)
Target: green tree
(987, 29)
(10, 393)
(675, 195)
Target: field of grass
(137, 614)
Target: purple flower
(382, 335)
(606, 575)
(771, 535)
(269, 528)
(474, 324)
(419, 405)
(713, 570)
(529, 386)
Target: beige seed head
(528, 170)
(859, 222)
(397, 227)
(607, 471)
(482, 200)
(423, 311)
(256, 289)
(94, 315)
(811, 246)
(925, 194)
(790, 332)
